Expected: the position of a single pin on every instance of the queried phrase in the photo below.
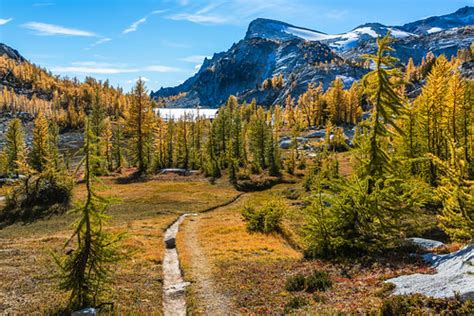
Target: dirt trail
(174, 287)
(212, 301)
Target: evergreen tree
(117, 143)
(258, 139)
(140, 125)
(106, 144)
(386, 106)
(410, 71)
(86, 271)
(456, 192)
(335, 98)
(15, 149)
(40, 151)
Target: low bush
(418, 304)
(318, 281)
(295, 303)
(295, 283)
(266, 219)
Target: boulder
(170, 243)
(426, 244)
(90, 311)
(454, 274)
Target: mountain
(302, 56)
(10, 52)
(242, 70)
(460, 18)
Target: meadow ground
(250, 270)
(143, 210)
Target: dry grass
(251, 269)
(225, 241)
(145, 209)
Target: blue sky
(164, 41)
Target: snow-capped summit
(280, 31)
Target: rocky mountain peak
(460, 18)
(278, 31)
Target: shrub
(38, 196)
(347, 218)
(295, 303)
(295, 283)
(264, 220)
(318, 281)
(418, 304)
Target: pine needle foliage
(86, 272)
(380, 88)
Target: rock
(426, 244)
(85, 312)
(317, 134)
(170, 243)
(454, 274)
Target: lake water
(175, 114)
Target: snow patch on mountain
(397, 33)
(308, 35)
(434, 30)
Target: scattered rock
(427, 244)
(85, 312)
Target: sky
(165, 41)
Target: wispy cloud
(162, 69)
(240, 12)
(92, 67)
(92, 70)
(134, 26)
(99, 42)
(200, 18)
(5, 21)
(194, 58)
(51, 29)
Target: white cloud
(162, 69)
(92, 70)
(99, 42)
(5, 21)
(92, 67)
(134, 26)
(96, 64)
(51, 29)
(199, 18)
(194, 58)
